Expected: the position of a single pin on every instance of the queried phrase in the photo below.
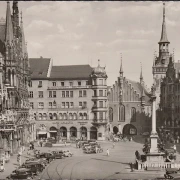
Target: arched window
(40, 116)
(110, 114)
(133, 114)
(65, 116)
(85, 116)
(35, 116)
(50, 116)
(70, 116)
(54, 116)
(60, 116)
(80, 116)
(44, 116)
(122, 113)
(74, 116)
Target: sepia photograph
(89, 90)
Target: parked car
(49, 156)
(58, 154)
(35, 167)
(67, 153)
(21, 173)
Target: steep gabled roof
(39, 67)
(139, 89)
(71, 72)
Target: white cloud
(39, 24)
(99, 44)
(38, 9)
(61, 28)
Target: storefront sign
(67, 122)
(82, 123)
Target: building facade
(129, 106)
(68, 102)
(16, 126)
(170, 99)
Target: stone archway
(129, 129)
(115, 130)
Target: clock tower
(161, 61)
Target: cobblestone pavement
(86, 166)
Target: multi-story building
(68, 102)
(170, 99)
(129, 106)
(15, 125)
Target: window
(40, 84)
(100, 104)
(54, 94)
(71, 93)
(71, 104)
(84, 104)
(95, 116)
(80, 93)
(111, 114)
(101, 115)
(70, 83)
(79, 83)
(32, 105)
(105, 93)
(84, 93)
(41, 105)
(133, 114)
(30, 83)
(40, 94)
(30, 94)
(80, 104)
(54, 104)
(95, 94)
(63, 104)
(121, 113)
(50, 104)
(63, 93)
(67, 93)
(50, 94)
(62, 83)
(101, 93)
(100, 81)
(87, 83)
(54, 83)
(67, 104)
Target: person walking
(174, 147)
(107, 151)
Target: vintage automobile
(22, 173)
(170, 171)
(48, 156)
(58, 154)
(67, 153)
(35, 167)
(174, 176)
(93, 149)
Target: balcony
(99, 97)
(96, 108)
(99, 121)
(73, 108)
(68, 87)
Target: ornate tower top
(141, 76)
(121, 67)
(9, 27)
(164, 33)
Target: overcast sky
(83, 32)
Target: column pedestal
(88, 135)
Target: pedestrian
(41, 143)
(107, 152)
(113, 145)
(174, 147)
(65, 143)
(30, 146)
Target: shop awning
(42, 132)
(53, 131)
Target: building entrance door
(93, 133)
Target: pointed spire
(121, 67)
(9, 27)
(24, 51)
(141, 76)
(163, 33)
(154, 59)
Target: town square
(89, 90)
